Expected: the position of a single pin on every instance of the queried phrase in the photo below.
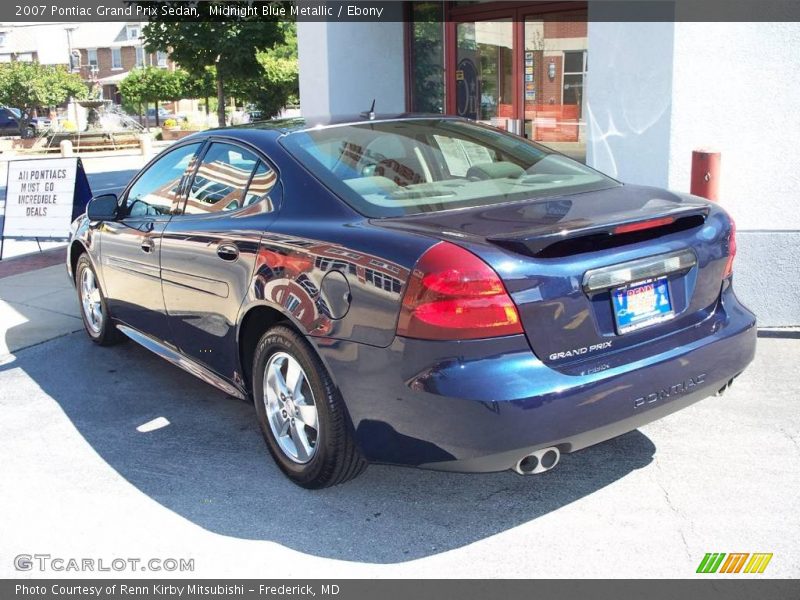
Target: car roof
(280, 127)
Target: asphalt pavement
(113, 453)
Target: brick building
(102, 53)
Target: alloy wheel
(91, 301)
(291, 410)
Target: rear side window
(409, 166)
(261, 185)
(221, 179)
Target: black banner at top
(55, 11)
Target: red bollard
(705, 174)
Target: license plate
(642, 304)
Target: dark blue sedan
(415, 290)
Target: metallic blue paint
(477, 405)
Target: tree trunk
(220, 100)
(158, 123)
(208, 108)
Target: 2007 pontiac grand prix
(415, 290)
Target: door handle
(148, 245)
(228, 252)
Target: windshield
(391, 168)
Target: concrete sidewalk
(87, 474)
(35, 307)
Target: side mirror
(103, 208)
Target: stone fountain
(99, 126)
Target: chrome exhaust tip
(725, 387)
(538, 461)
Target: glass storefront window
(427, 57)
(513, 67)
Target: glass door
(484, 73)
(516, 67)
(554, 78)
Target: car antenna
(370, 114)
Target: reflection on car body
(416, 290)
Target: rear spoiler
(584, 235)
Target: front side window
(221, 179)
(157, 191)
(161, 59)
(391, 168)
(139, 56)
(91, 55)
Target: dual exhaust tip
(538, 462)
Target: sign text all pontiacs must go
(40, 197)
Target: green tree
(200, 85)
(151, 84)
(231, 47)
(278, 85)
(29, 86)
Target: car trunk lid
(563, 259)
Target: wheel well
(255, 323)
(75, 251)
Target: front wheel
(94, 308)
(301, 413)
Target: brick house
(102, 53)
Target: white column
(629, 98)
(343, 66)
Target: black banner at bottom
(391, 589)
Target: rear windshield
(392, 168)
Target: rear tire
(94, 309)
(301, 413)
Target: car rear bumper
(482, 405)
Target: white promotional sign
(39, 197)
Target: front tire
(94, 308)
(301, 413)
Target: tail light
(453, 295)
(643, 225)
(731, 251)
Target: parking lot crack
(791, 438)
(673, 508)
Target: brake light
(731, 251)
(642, 225)
(453, 295)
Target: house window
(4, 58)
(3, 38)
(25, 57)
(116, 58)
(161, 58)
(133, 33)
(91, 54)
(139, 56)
